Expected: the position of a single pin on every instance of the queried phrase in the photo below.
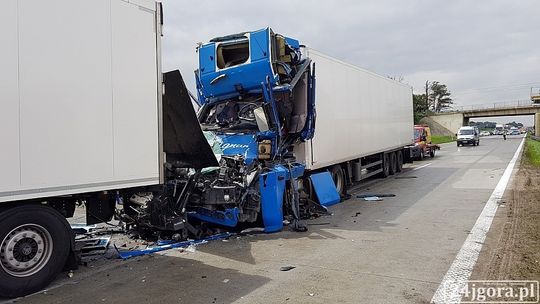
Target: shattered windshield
(230, 115)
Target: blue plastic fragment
(325, 189)
(135, 253)
(228, 218)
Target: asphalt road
(391, 251)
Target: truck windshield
(417, 133)
(466, 132)
(230, 115)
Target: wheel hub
(25, 250)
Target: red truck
(422, 143)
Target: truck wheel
(339, 178)
(393, 163)
(432, 153)
(385, 166)
(35, 243)
(399, 157)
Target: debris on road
(126, 254)
(375, 194)
(287, 268)
(94, 246)
(372, 198)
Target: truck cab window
(231, 54)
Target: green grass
(437, 139)
(532, 151)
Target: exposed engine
(231, 185)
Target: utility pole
(427, 95)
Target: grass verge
(532, 152)
(437, 139)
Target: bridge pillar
(537, 124)
(466, 121)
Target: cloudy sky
(485, 51)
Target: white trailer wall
(79, 96)
(359, 113)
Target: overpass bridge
(457, 117)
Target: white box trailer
(80, 90)
(361, 116)
(80, 98)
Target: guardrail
(492, 106)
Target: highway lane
(391, 251)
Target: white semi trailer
(80, 97)
(364, 122)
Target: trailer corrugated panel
(79, 96)
(359, 113)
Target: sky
(484, 51)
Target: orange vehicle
(422, 143)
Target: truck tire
(393, 163)
(399, 156)
(35, 243)
(432, 153)
(338, 175)
(385, 166)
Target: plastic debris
(93, 246)
(226, 281)
(286, 268)
(372, 198)
(70, 274)
(375, 195)
(126, 254)
(82, 228)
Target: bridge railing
(491, 106)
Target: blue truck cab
(256, 92)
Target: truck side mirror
(260, 118)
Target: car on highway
(485, 133)
(468, 135)
(515, 132)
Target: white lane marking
(423, 166)
(460, 270)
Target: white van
(468, 135)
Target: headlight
(264, 149)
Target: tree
(439, 96)
(420, 107)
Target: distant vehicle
(485, 133)
(468, 135)
(422, 143)
(499, 128)
(515, 132)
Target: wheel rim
(26, 250)
(338, 180)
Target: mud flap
(325, 189)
